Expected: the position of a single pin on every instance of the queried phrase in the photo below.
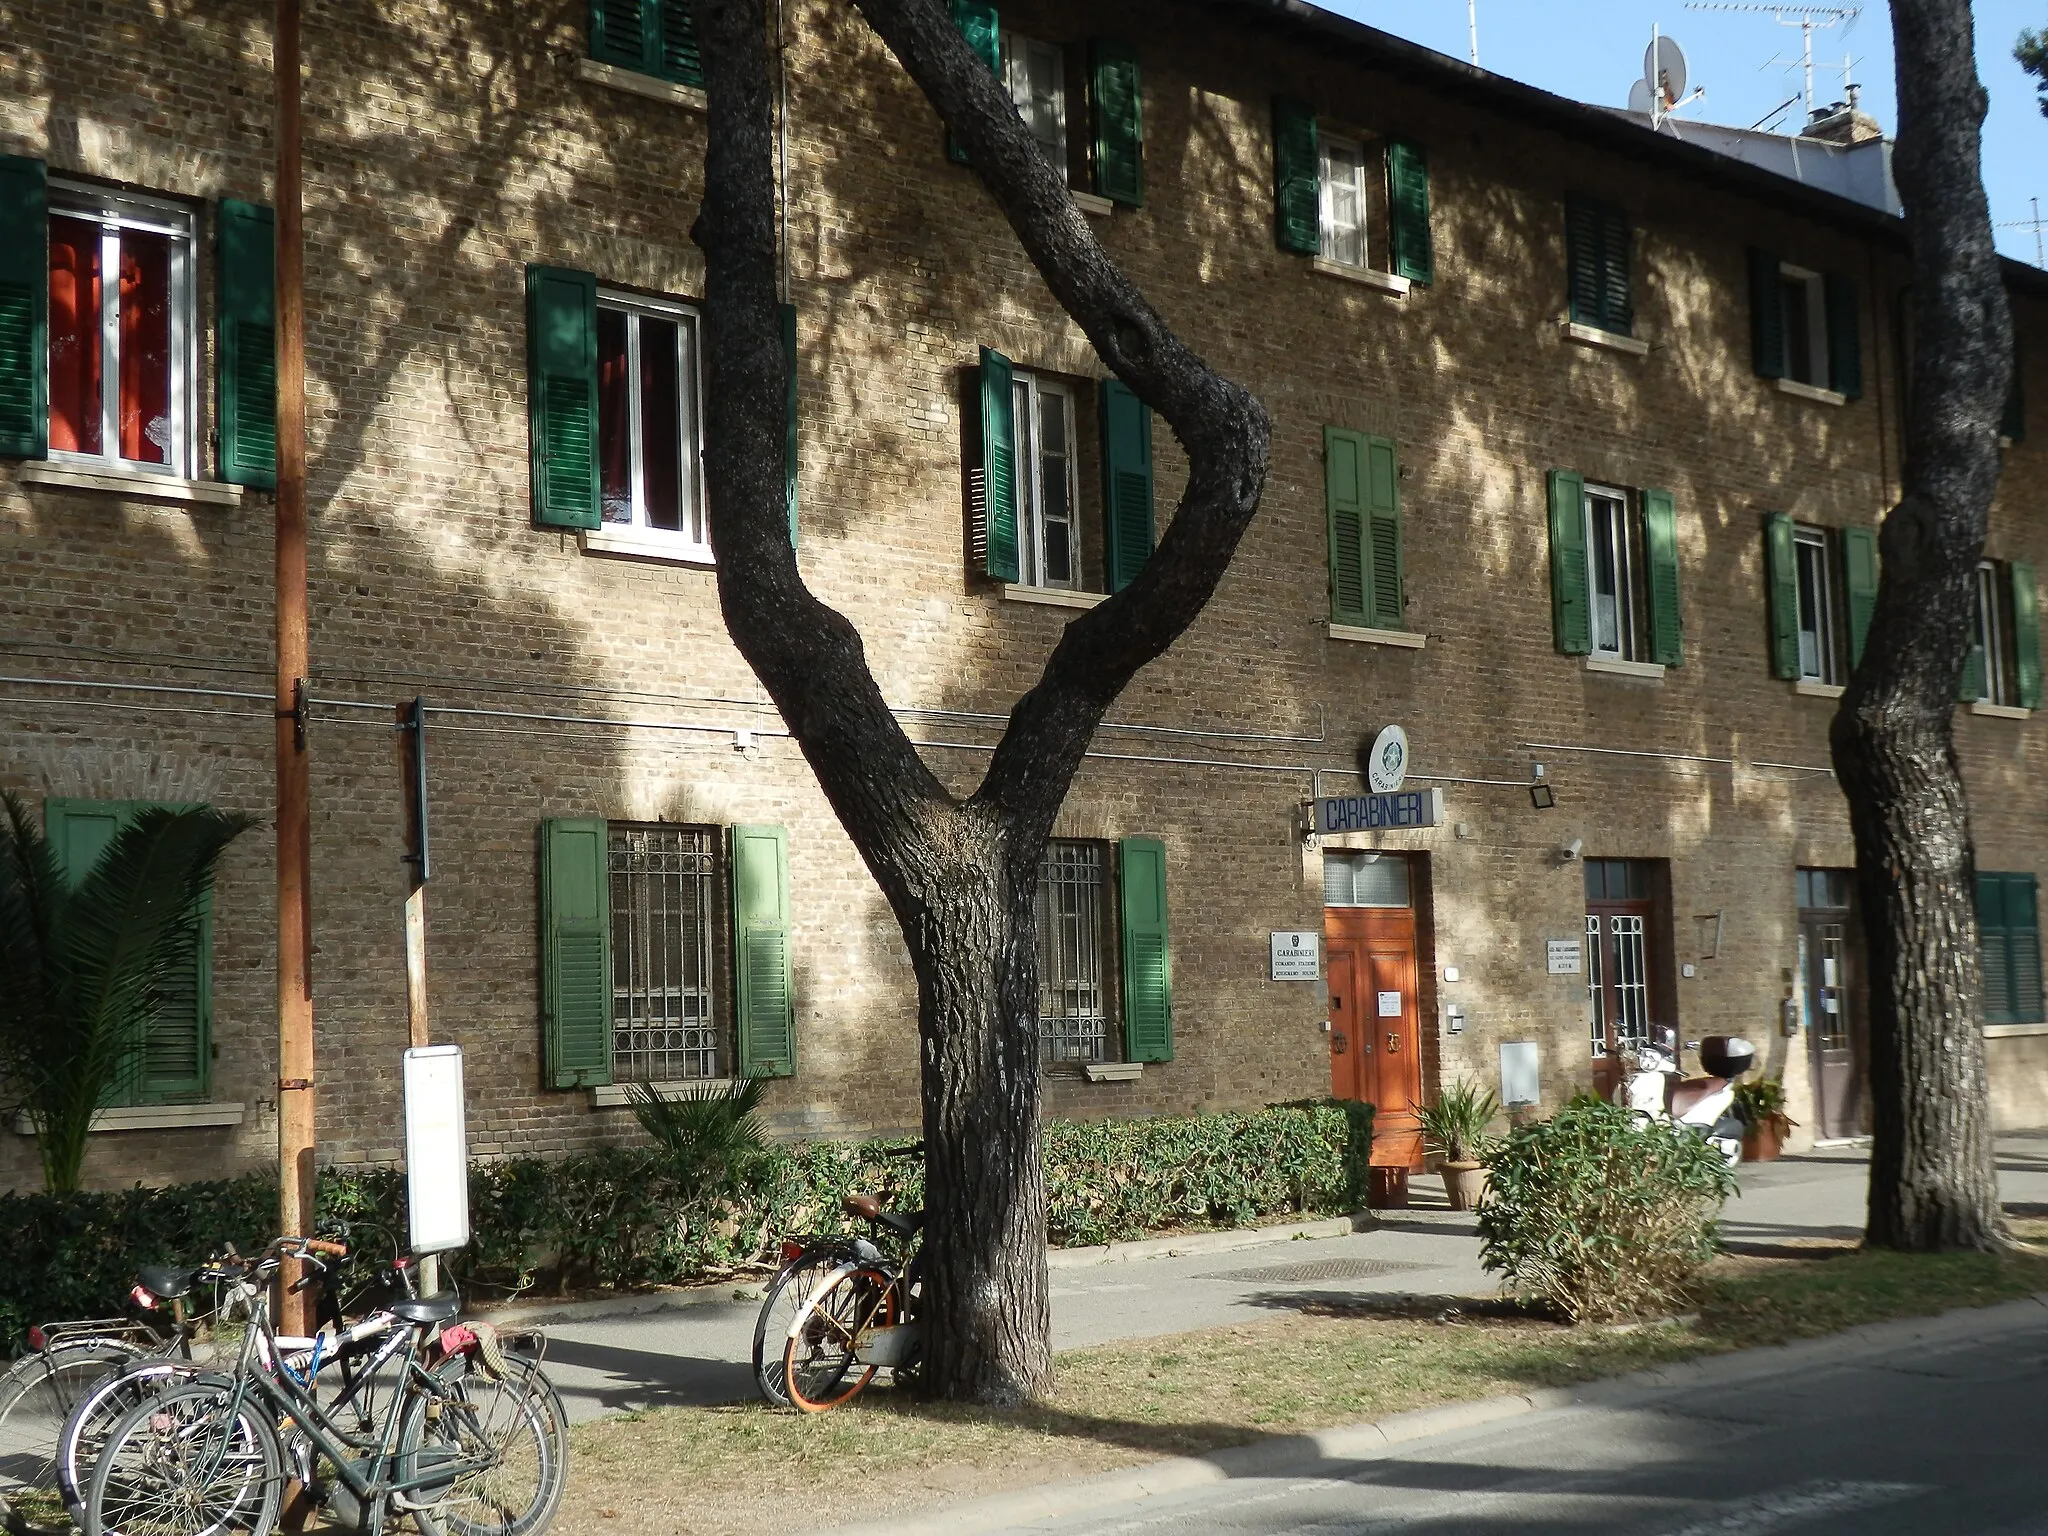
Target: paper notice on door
(1390, 1005)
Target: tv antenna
(2036, 224)
(1661, 90)
(1809, 19)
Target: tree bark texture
(959, 875)
(1933, 1184)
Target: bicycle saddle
(166, 1283)
(429, 1309)
(868, 1208)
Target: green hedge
(614, 1217)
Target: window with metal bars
(1074, 981)
(667, 919)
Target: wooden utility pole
(294, 839)
(412, 775)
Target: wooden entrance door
(1831, 1000)
(1623, 939)
(1375, 1023)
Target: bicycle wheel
(790, 1291)
(818, 1363)
(494, 1448)
(85, 1432)
(187, 1462)
(37, 1394)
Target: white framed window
(650, 445)
(1344, 201)
(123, 329)
(1614, 575)
(1820, 607)
(1803, 298)
(1048, 524)
(1073, 949)
(1036, 74)
(1991, 661)
(668, 931)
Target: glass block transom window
(665, 918)
(1073, 980)
(1365, 880)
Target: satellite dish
(1664, 70)
(1639, 98)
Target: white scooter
(1653, 1088)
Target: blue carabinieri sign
(1380, 813)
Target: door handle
(1337, 1042)
(1393, 1043)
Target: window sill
(1811, 392)
(1113, 1071)
(153, 1117)
(128, 482)
(1090, 204)
(1386, 282)
(2000, 711)
(1050, 597)
(633, 82)
(644, 544)
(1614, 666)
(1401, 637)
(1807, 688)
(2013, 1031)
(620, 1095)
(1613, 341)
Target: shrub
(1597, 1213)
(1454, 1128)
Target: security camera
(1573, 849)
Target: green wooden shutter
(172, 1061)
(1859, 581)
(677, 43)
(1571, 609)
(24, 309)
(1972, 685)
(1781, 572)
(1618, 298)
(1582, 260)
(1117, 101)
(1148, 971)
(2026, 635)
(979, 24)
(1408, 211)
(1383, 534)
(245, 361)
(2013, 425)
(1297, 178)
(1344, 493)
(1766, 315)
(1126, 480)
(1660, 547)
(789, 449)
(561, 396)
(2023, 946)
(993, 489)
(1845, 336)
(1994, 951)
(766, 1008)
(575, 952)
(618, 32)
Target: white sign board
(1387, 768)
(1519, 1079)
(1390, 1005)
(1297, 957)
(1564, 956)
(436, 1149)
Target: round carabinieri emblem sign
(1387, 767)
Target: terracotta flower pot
(1465, 1185)
(1762, 1142)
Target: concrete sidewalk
(697, 1347)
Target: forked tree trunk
(1933, 1183)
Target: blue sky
(1596, 57)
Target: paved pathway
(701, 1353)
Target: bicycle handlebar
(915, 1149)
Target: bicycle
(474, 1442)
(842, 1308)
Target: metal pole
(295, 1119)
(1472, 28)
(412, 725)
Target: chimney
(1843, 123)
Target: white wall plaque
(1387, 768)
(1298, 956)
(436, 1149)
(1390, 1005)
(1563, 956)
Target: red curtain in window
(75, 350)
(146, 348)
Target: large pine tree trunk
(1932, 1180)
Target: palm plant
(710, 1135)
(84, 967)
(1454, 1127)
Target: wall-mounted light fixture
(1542, 796)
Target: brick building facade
(1566, 471)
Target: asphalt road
(1933, 1438)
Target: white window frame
(1031, 394)
(1039, 62)
(1084, 1031)
(1819, 364)
(1815, 546)
(1631, 638)
(694, 537)
(1337, 154)
(114, 212)
(1999, 685)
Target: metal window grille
(1631, 981)
(1596, 995)
(1832, 1024)
(1073, 1020)
(664, 914)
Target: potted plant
(1760, 1106)
(1454, 1130)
